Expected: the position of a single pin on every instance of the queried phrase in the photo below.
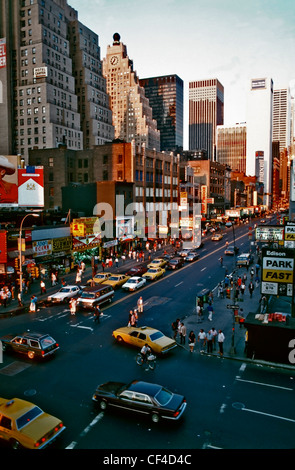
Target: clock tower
(132, 114)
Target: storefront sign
(62, 244)
(3, 247)
(42, 248)
(277, 268)
(2, 53)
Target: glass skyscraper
(165, 96)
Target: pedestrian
(202, 340)
(210, 311)
(243, 287)
(53, 279)
(140, 305)
(214, 336)
(97, 313)
(33, 304)
(182, 333)
(3, 298)
(20, 299)
(83, 266)
(133, 319)
(221, 261)
(251, 288)
(209, 340)
(73, 306)
(191, 341)
(220, 339)
(257, 280)
(42, 287)
(103, 265)
(110, 262)
(174, 326)
(117, 262)
(78, 276)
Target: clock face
(114, 60)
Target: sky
(230, 40)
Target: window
(5, 422)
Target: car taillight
(59, 426)
(42, 352)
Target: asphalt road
(231, 404)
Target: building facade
(52, 73)
(206, 111)
(259, 133)
(165, 96)
(132, 114)
(231, 146)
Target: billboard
(20, 187)
(277, 271)
(2, 53)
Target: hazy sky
(229, 40)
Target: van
(93, 296)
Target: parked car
(138, 336)
(157, 263)
(138, 270)
(99, 278)
(92, 296)
(175, 263)
(245, 259)
(153, 274)
(37, 345)
(231, 250)
(25, 425)
(141, 397)
(217, 237)
(192, 256)
(134, 283)
(64, 294)
(116, 280)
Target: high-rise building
(281, 118)
(132, 114)
(165, 96)
(52, 79)
(206, 111)
(231, 146)
(259, 133)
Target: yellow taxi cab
(153, 274)
(157, 263)
(25, 425)
(116, 280)
(139, 336)
(99, 278)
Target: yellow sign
(78, 230)
(61, 244)
(290, 236)
(278, 276)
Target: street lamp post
(20, 251)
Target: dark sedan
(31, 344)
(192, 256)
(175, 263)
(137, 270)
(141, 397)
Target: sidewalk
(224, 319)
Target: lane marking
(178, 284)
(264, 384)
(270, 415)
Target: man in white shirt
(220, 339)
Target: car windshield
(132, 281)
(153, 271)
(48, 341)
(163, 397)
(28, 417)
(64, 289)
(88, 295)
(113, 278)
(174, 261)
(155, 336)
(100, 276)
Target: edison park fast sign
(277, 272)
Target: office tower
(52, 72)
(132, 114)
(165, 96)
(231, 146)
(206, 111)
(259, 133)
(281, 118)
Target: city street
(231, 404)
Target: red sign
(31, 186)
(2, 53)
(3, 247)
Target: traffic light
(16, 263)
